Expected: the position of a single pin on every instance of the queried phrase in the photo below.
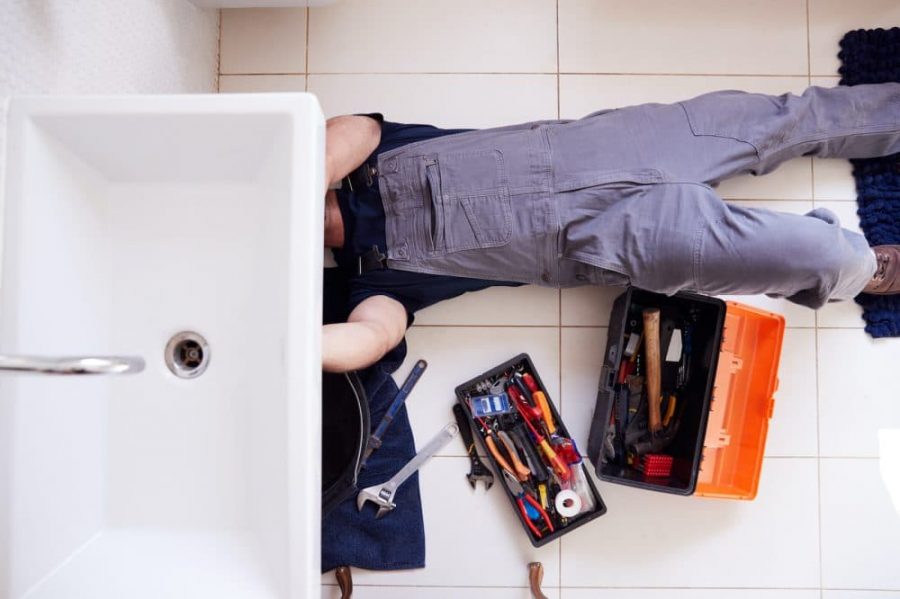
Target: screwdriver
(559, 466)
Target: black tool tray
(686, 448)
(469, 388)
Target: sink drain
(187, 355)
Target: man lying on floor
(619, 197)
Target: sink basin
(130, 220)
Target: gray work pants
(626, 196)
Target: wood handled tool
(653, 368)
(477, 470)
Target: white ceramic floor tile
(860, 524)
(833, 179)
(695, 36)
(659, 540)
(263, 40)
(464, 101)
(589, 305)
(498, 306)
(262, 83)
(456, 355)
(687, 594)
(858, 382)
(793, 428)
(583, 94)
(829, 20)
(404, 36)
(396, 592)
(581, 356)
(471, 538)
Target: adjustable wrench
(477, 470)
(383, 494)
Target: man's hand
(349, 140)
(374, 328)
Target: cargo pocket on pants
(470, 201)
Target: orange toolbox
(712, 388)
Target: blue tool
(410, 382)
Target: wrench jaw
(487, 479)
(378, 496)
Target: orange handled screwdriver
(541, 400)
(558, 465)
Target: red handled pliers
(529, 507)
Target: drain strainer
(187, 354)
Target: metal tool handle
(410, 382)
(438, 441)
(74, 365)
(465, 429)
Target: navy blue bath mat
(873, 56)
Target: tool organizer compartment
(517, 423)
(715, 376)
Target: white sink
(128, 220)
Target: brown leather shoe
(886, 280)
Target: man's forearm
(351, 346)
(349, 140)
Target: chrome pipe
(72, 365)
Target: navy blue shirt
(364, 227)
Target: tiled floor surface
(827, 519)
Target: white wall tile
(829, 20)
(262, 83)
(503, 306)
(860, 524)
(457, 354)
(583, 94)
(398, 592)
(439, 36)
(471, 538)
(453, 101)
(695, 36)
(688, 594)
(263, 40)
(660, 540)
(858, 382)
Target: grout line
(306, 58)
(559, 320)
(513, 73)
(558, 99)
(219, 56)
(812, 168)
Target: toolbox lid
(742, 403)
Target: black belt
(365, 176)
(371, 260)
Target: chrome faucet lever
(72, 365)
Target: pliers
(530, 509)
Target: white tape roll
(568, 503)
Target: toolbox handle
(607, 379)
